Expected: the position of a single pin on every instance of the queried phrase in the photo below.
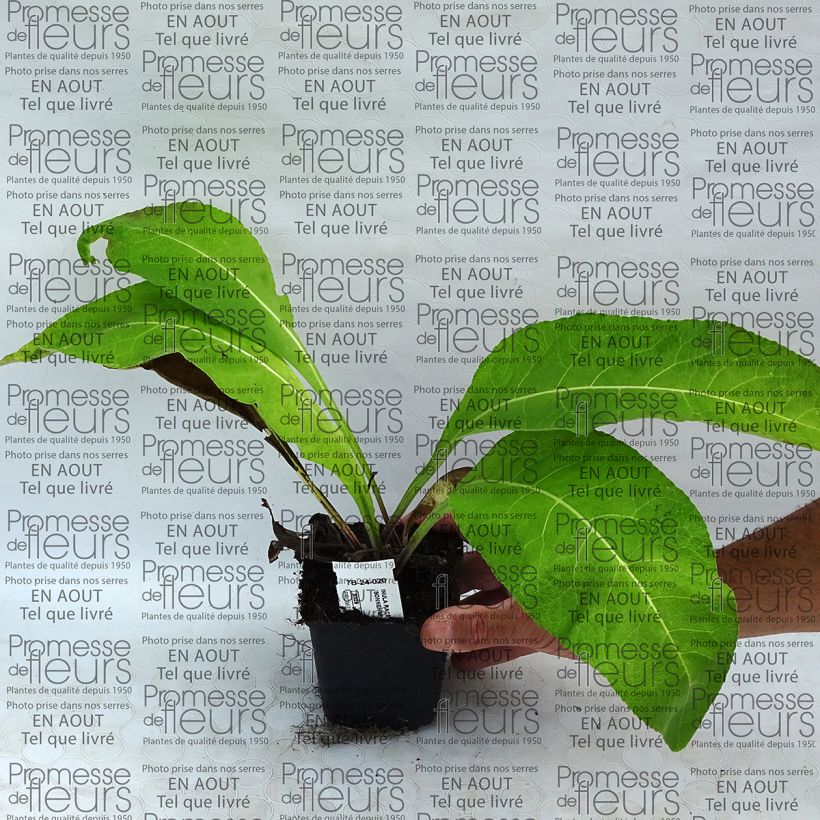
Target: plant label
(369, 587)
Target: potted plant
(590, 537)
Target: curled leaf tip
(84, 241)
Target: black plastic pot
(374, 672)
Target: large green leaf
(590, 370)
(131, 327)
(607, 554)
(205, 257)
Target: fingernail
(436, 634)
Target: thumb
(468, 628)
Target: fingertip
(435, 633)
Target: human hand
(488, 627)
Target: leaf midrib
(624, 564)
(620, 387)
(352, 443)
(235, 276)
(232, 347)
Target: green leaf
(206, 258)
(177, 370)
(615, 561)
(203, 256)
(142, 325)
(590, 370)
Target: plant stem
(325, 396)
(443, 449)
(378, 497)
(418, 534)
(293, 461)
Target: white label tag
(369, 587)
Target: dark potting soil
(430, 577)
(373, 672)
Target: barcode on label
(369, 587)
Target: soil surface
(438, 552)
